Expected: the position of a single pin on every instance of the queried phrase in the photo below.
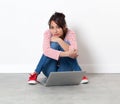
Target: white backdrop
(96, 23)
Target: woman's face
(55, 29)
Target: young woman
(59, 50)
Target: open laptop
(63, 78)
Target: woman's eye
(51, 27)
(58, 27)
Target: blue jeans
(47, 65)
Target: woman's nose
(55, 30)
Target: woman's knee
(54, 45)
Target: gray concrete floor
(102, 89)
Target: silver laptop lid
(64, 78)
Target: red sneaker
(84, 80)
(33, 79)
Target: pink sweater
(52, 53)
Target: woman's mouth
(56, 34)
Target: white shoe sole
(84, 82)
(32, 82)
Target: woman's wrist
(59, 40)
(64, 54)
(68, 53)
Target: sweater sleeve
(72, 40)
(47, 50)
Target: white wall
(96, 23)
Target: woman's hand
(73, 53)
(55, 39)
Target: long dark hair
(59, 19)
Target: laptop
(63, 78)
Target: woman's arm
(55, 54)
(66, 53)
(71, 37)
(47, 50)
(72, 50)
